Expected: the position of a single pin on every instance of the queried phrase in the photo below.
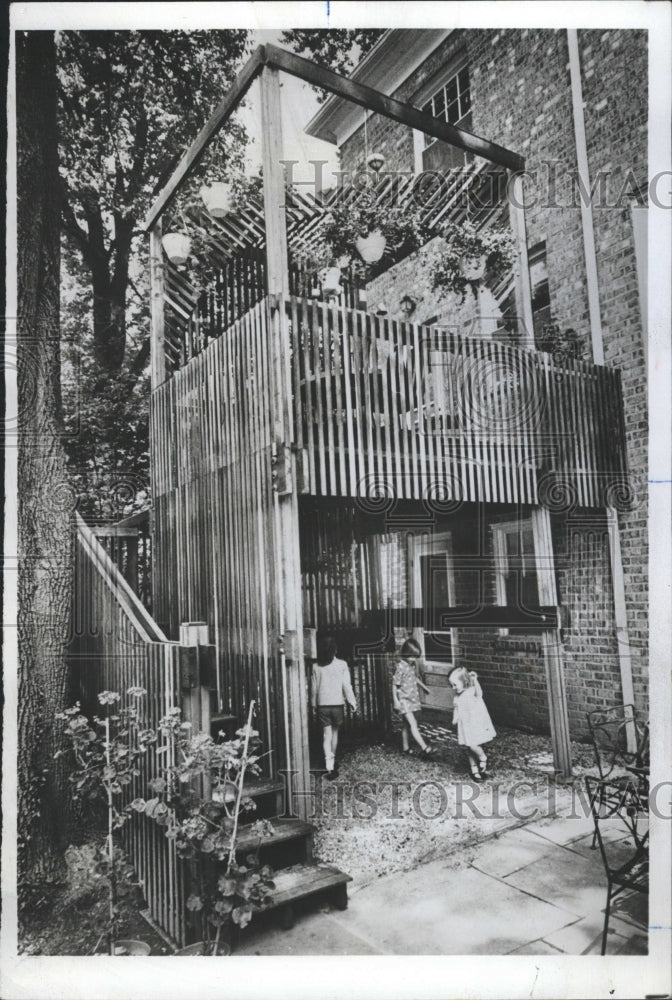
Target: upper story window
(450, 102)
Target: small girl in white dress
(474, 725)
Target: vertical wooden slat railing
(386, 405)
(214, 462)
(117, 645)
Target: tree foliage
(337, 49)
(130, 103)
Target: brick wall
(521, 98)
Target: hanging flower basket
(372, 247)
(467, 254)
(217, 198)
(177, 247)
(473, 268)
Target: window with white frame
(515, 566)
(450, 101)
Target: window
(515, 567)
(449, 102)
(541, 298)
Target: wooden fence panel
(116, 645)
(214, 463)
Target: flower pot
(330, 281)
(177, 247)
(216, 198)
(372, 247)
(128, 946)
(205, 948)
(473, 268)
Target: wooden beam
(286, 505)
(157, 307)
(220, 115)
(553, 661)
(592, 283)
(358, 93)
(523, 288)
(405, 114)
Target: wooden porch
(264, 395)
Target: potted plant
(105, 754)
(362, 224)
(467, 254)
(199, 800)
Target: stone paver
(511, 852)
(533, 890)
(569, 880)
(313, 933)
(450, 913)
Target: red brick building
(569, 102)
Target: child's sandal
(475, 772)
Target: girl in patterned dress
(405, 696)
(474, 725)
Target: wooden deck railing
(128, 545)
(386, 409)
(117, 645)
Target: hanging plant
(362, 231)
(365, 226)
(467, 255)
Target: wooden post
(597, 341)
(286, 499)
(196, 704)
(521, 269)
(157, 352)
(554, 666)
(621, 623)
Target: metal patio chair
(620, 814)
(617, 757)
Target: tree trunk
(45, 499)
(109, 319)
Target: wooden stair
(298, 875)
(300, 881)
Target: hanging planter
(371, 247)
(217, 198)
(466, 254)
(473, 268)
(177, 247)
